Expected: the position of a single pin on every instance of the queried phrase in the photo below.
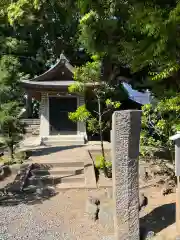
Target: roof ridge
(63, 57)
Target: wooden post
(176, 138)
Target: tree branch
(105, 128)
(105, 112)
(95, 112)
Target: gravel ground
(26, 222)
(60, 217)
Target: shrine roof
(44, 84)
(60, 74)
(51, 84)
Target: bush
(7, 160)
(160, 120)
(20, 156)
(99, 164)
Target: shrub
(99, 164)
(11, 128)
(160, 120)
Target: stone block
(92, 210)
(146, 235)
(106, 214)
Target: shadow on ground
(52, 149)
(15, 192)
(36, 197)
(159, 219)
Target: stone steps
(58, 171)
(59, 187)
(56, 179)
(43, 165)
(64, 140)
(32, 126)
(34, 131)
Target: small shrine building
(51, 89)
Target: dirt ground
(159, 215)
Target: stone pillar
(176, 139)
(44, 115)
(126, 127)
(28, 106)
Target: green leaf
(81, 114)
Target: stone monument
(126, 127)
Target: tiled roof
(139, 97)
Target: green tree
(87, 77)
(11, 127)
(49, 27)
(11, 96)
(140, 34)
(145, 36)
(160, 120)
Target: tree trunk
(101, 137)
(11, 151)
(11, 145)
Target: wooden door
(59, 107)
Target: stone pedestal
(126, 127)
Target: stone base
(91, 210)
(106, 214)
